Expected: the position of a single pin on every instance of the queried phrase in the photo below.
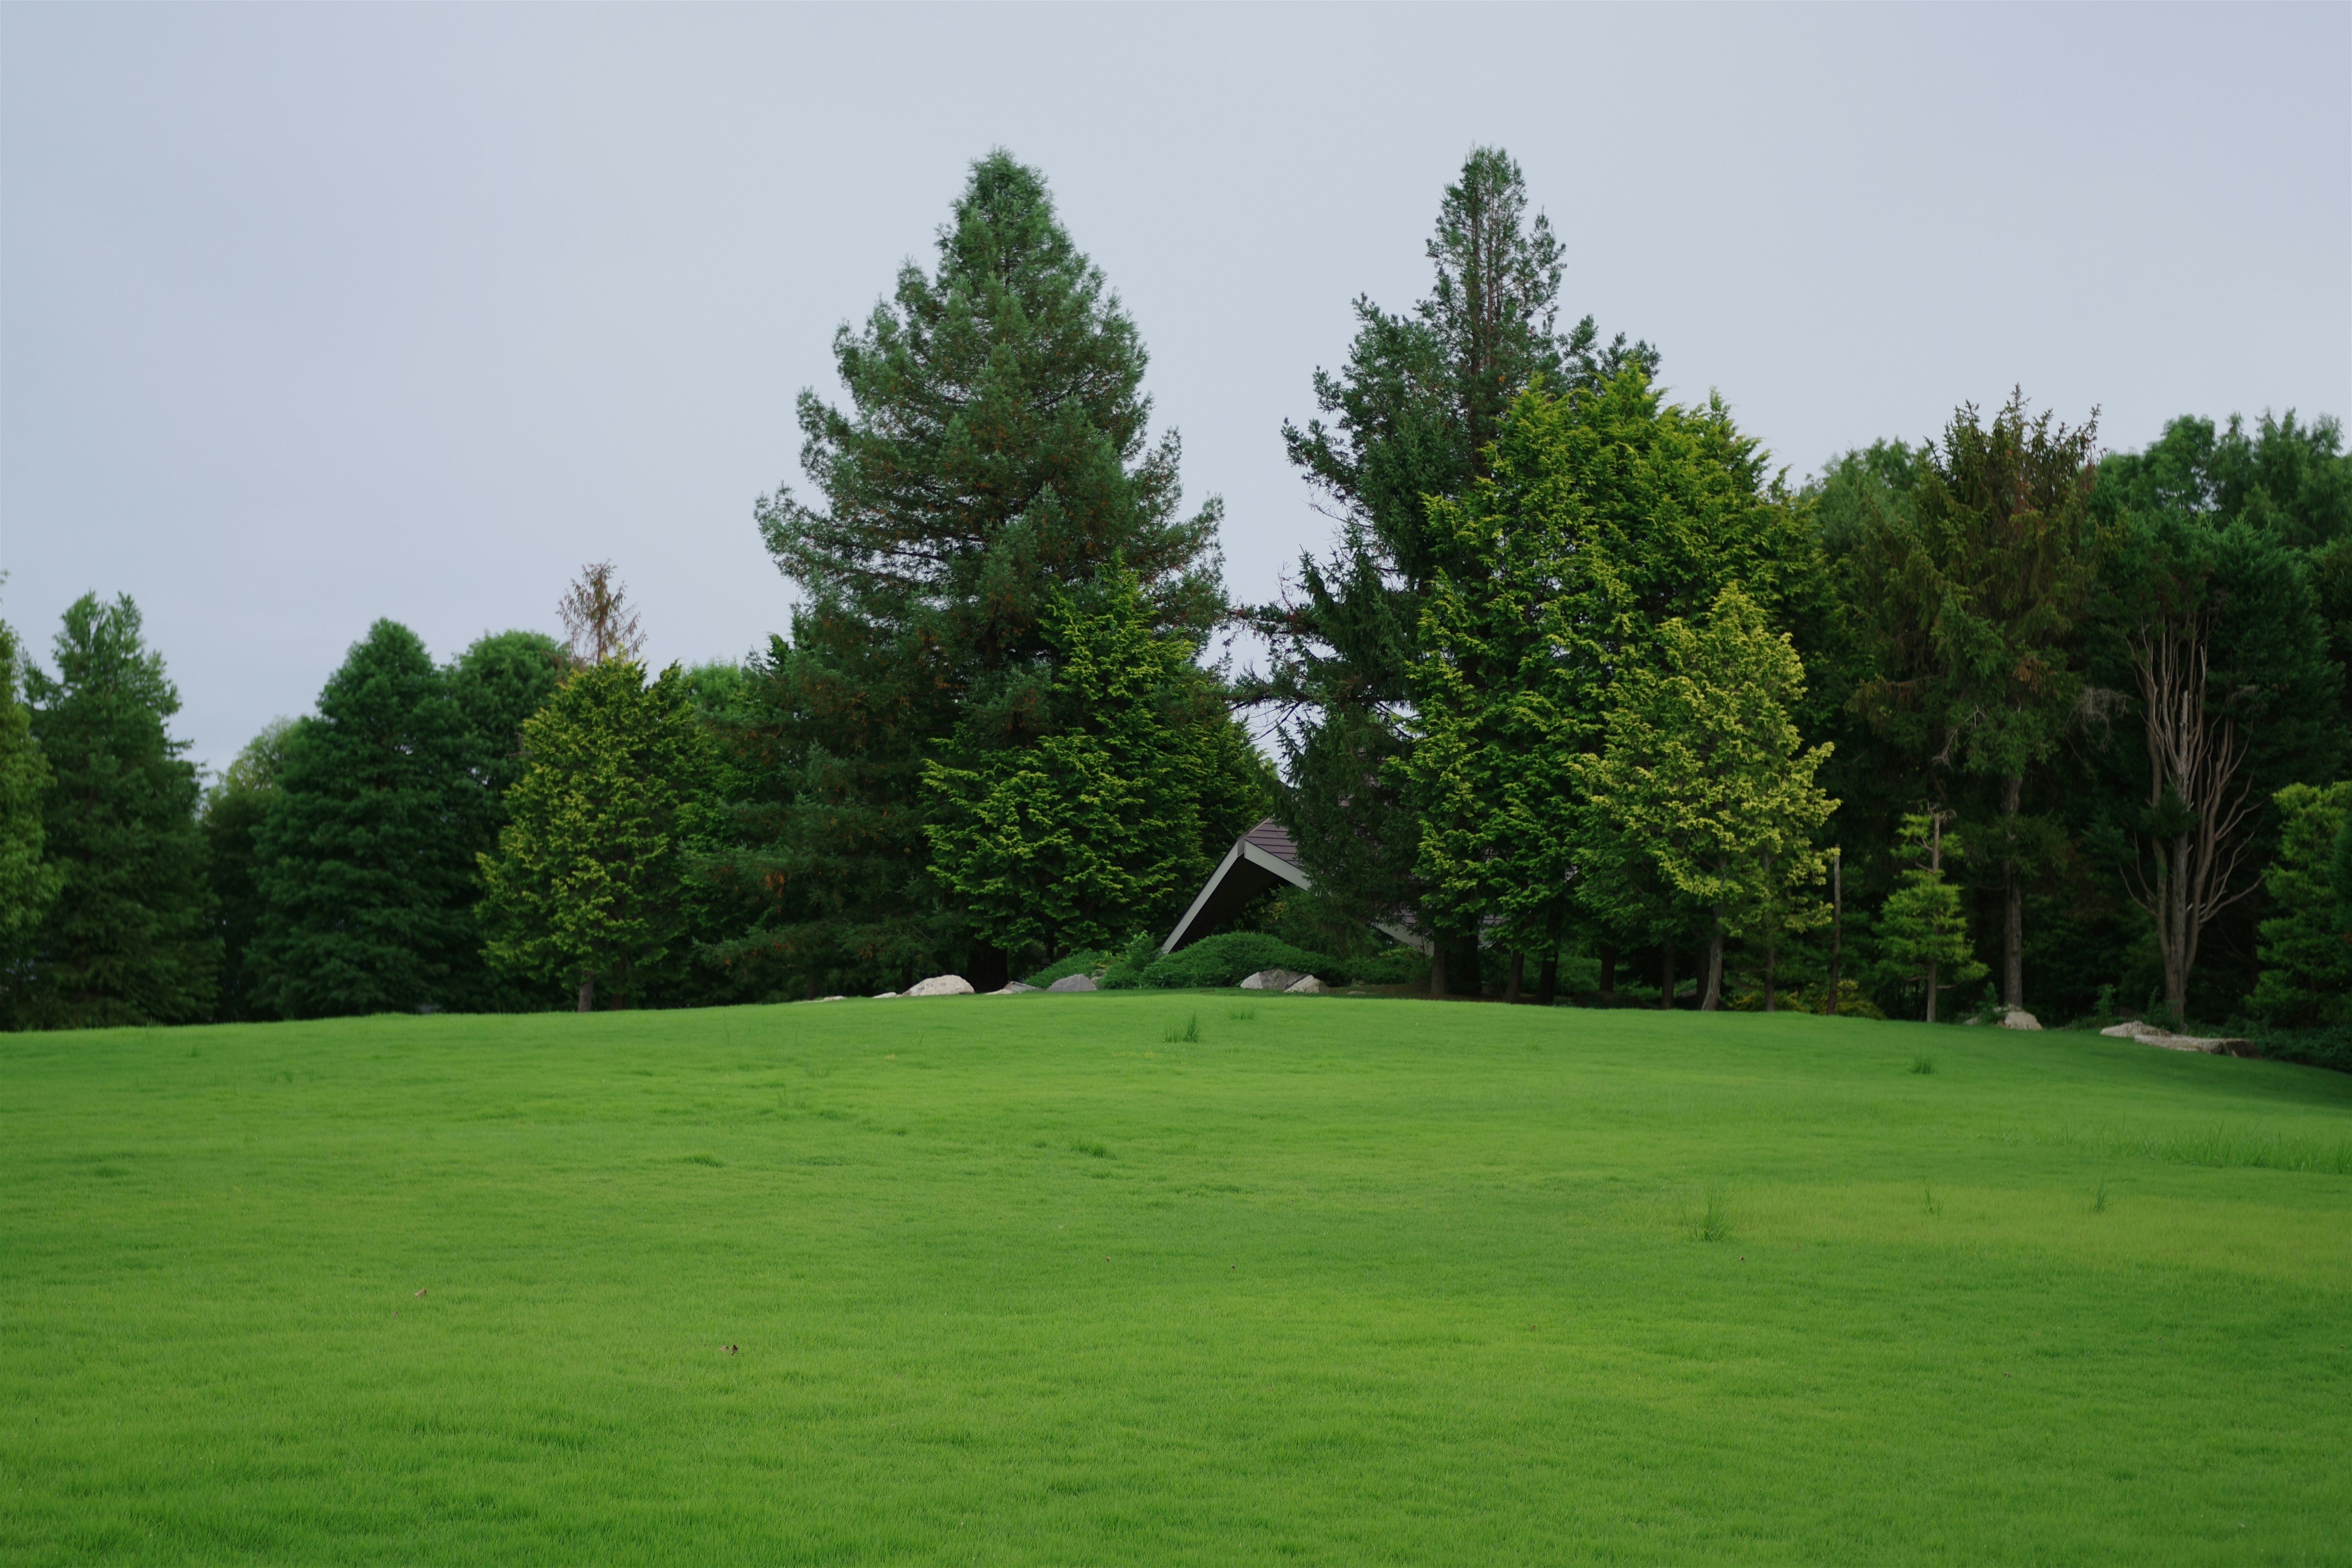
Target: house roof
(1260, 858)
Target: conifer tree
(1922, 927)
(995, 449)
(365, 859)
(585, 886)
(128, 937)
(1411, 416)
(1107, 821)
(1971, 595)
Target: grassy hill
(1037, 1280)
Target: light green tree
(1704, 769)
(585, 886)
(1922, 926)
(1095, 829)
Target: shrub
(1230, 957)
(1126, 972)
(1390, 966)
(1090, 961)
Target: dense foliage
(1585, 695)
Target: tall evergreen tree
(585, 886)
(1971, 595)
(364, 859)
(1410, 418)
(129, 938)
(995, 449)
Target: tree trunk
(1518, 967)
(2013, 935)
(1770, 950)
(588, 992)
(1931, 991)
(1438, 970)
(1712, 999)
(1667, 991)
(1837, 925)
(991, 965)
(1608, 973)
(1547, 973)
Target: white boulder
(2019, 1018)
(939, 986)
(1273, 980)
(884, 996)
(1013, 988)
(1073, 983)
(1305, 985)
(2150, 1034)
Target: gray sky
(310, 315)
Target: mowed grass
(1168, 1278)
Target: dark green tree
(365, 859)
(2306, 940)
(30, 881)
(995, 449)
(129, 938)
(1410, 418)
(498, 683)
(585, 884)
(1971, 597)
(234, 807)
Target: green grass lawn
(1036, 1279)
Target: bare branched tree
(2197, 804)
(598, 624)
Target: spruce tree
(129, 938)
(365, 859)
(585, 886)
(995, 449)
(1923, 927)
(2306, 939)
(1410, 418)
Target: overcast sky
(313, 315)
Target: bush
(1087, 963)
(2320, 1048)
(1390, 966)
(1126, 972)
(1230, 957)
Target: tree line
(1585, 690)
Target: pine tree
(1705, 771)
(366, 857)
(1922, 926)
(1104, 823)
(1421, 398)
(585, 886)
(30, 881)
(996, 451)
(129, 938)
